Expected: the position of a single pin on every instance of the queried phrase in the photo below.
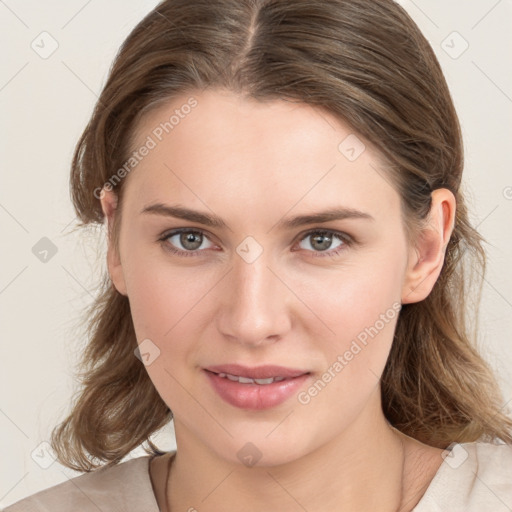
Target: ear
(426, 258)
(108, 201)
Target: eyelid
(341, 234)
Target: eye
(191, 240)
(319, 241)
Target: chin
(261, 451)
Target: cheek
(348, 299)
(168, 308)
(162, 294)
(171, 305)
(356, 311)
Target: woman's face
(253, 281)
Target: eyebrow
(211, 220)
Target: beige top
(475, 477)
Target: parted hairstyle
(367, 63)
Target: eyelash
(346, 239)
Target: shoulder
(124, 487)
(474, 477)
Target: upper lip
(257, 372)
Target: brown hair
(366, 62)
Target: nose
(254, 308)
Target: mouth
(255, 388)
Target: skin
(253, 164)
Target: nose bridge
(256, 303)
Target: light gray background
(45, 104)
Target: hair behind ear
(436, 387)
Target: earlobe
(426, 258)
(109, 207)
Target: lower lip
(255, 396)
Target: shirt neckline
(150, 482)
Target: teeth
(264, 381)
(246, 380)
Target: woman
(287, 259)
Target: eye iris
(188, 238)
(324, 241)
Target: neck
(361, 469)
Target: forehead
(220, 149)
